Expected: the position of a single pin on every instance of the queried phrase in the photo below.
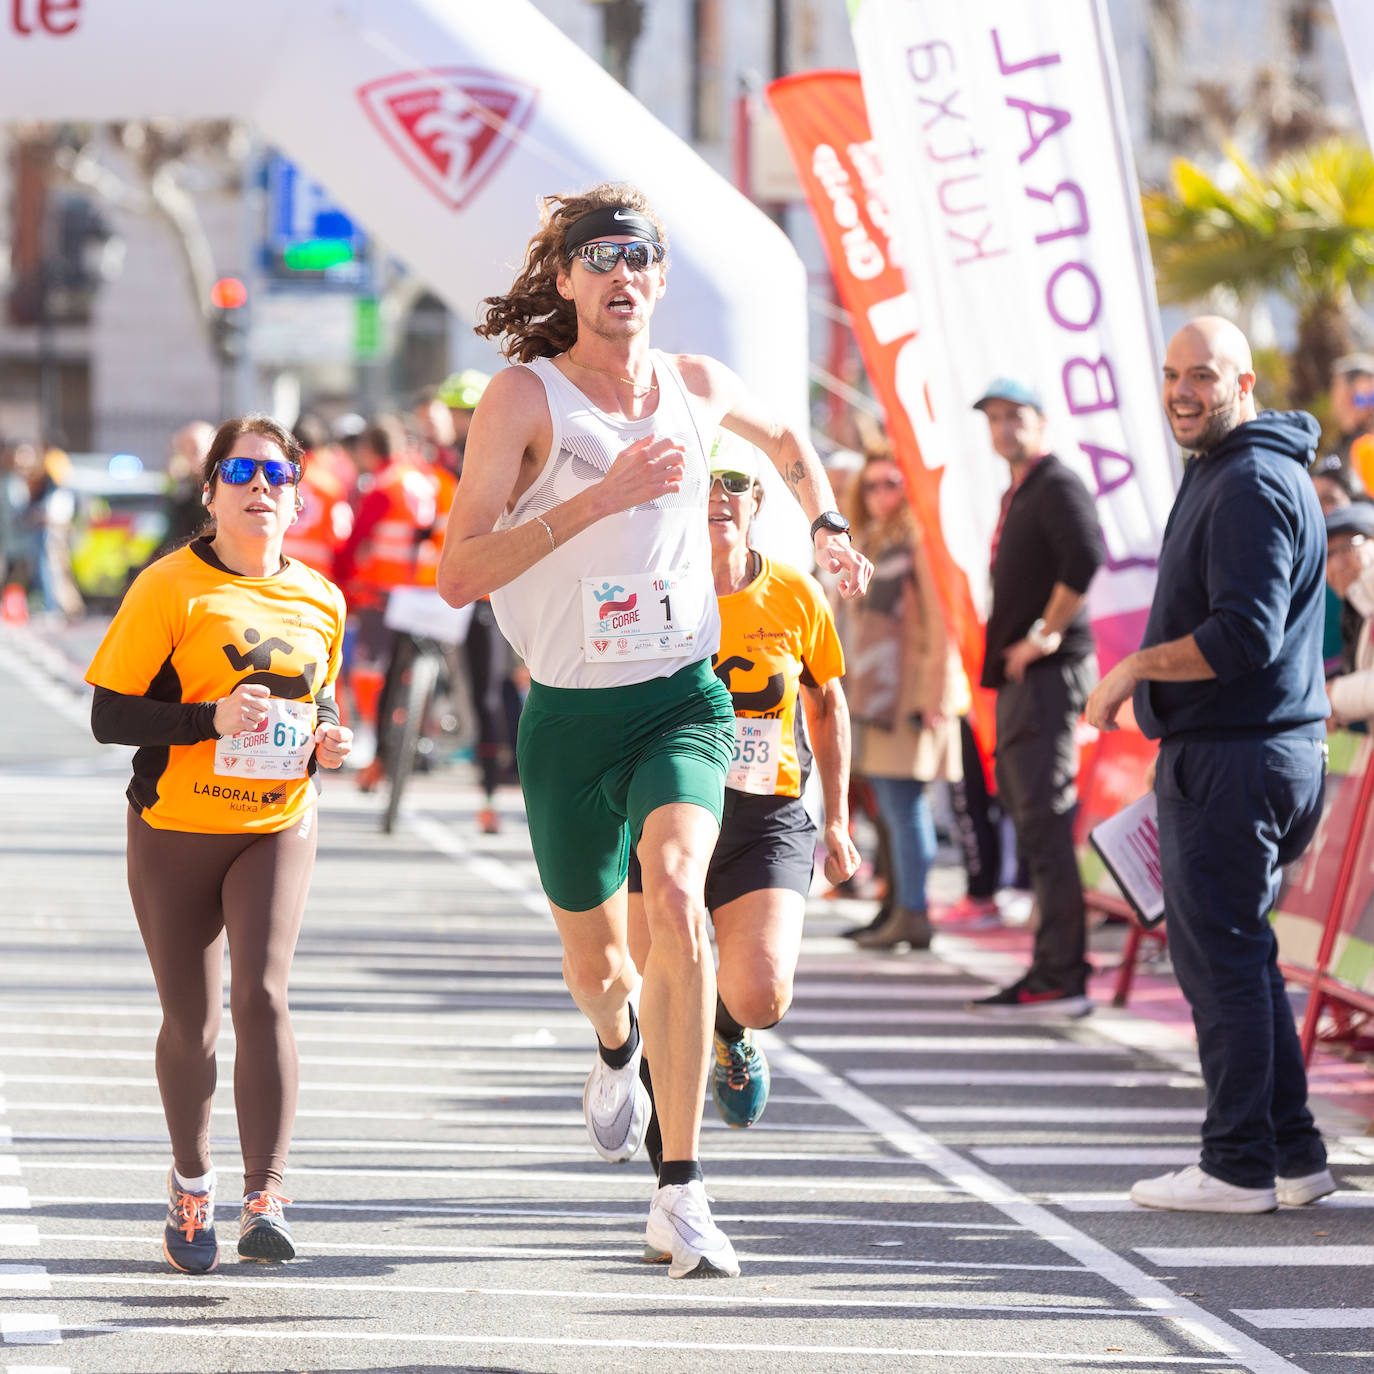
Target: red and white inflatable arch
(437, 124)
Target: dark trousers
(1037, 781)
(1231, 814)
(976, 817)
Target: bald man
(1229, 680)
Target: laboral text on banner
(1015, 206)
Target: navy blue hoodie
(1242, 570)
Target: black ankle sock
(618, 1058)
(653, 1137)
(678, 1171)
(726, 1026)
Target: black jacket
(1050, 535)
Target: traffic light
(227, 298)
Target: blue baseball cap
(1009, 389)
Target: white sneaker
(1298, 1192)
(680, 1229)
(616, 1107)
(1192, 1190)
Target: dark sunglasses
(602, 257)
(736, 483)
(236, 472)
(881, 484)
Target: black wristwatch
(830, 520)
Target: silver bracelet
(548, 529)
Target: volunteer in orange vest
(396, 514)
(326, 518)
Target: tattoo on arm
(794, 475)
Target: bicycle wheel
(418, 693)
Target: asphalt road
(927, 1191)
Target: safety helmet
(462, 390)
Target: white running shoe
(680, 1229)
(1299, 1191)
(1194, 1190)
(616, 1107)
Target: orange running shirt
(190, 630)
(775, 634)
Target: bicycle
(428, 630)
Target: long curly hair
(899, 527)
(532, 319)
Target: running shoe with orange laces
(188, 1240)
(263, 1232)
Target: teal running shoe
(739, 1080)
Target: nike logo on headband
(618, 215)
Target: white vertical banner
(1356, 21)
(1017, 212)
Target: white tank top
(630, 598)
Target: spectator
(1336, 487)
(1335, 483)
(1039, 658)
(185, 477)
(1228, 679)
(325, 519)
(905, 690)
(1350, 577)
(49, 515)
(1352, 408)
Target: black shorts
(764, 842)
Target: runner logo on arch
(452, 126)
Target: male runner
(582, 511)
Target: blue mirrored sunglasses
(235, 472)
(602, 257)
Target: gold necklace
(615, 376)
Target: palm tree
(1302, 227)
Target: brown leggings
(188, 892)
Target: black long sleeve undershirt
(120, 719)
(143, 721)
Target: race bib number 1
(280, 749)
(639, 615)
(754, 767)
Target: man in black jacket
(1039, 657)
(1229, 680)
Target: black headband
(610, 221)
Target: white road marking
(1031, 1078)
(680, 1294)
(1018, 1115)
(1089, 1155)
(595, 1175)
(1092, 1254)
(30, 1328)
(231, 1333)
(991, 1043)
(1121, 1202)
(1258, 1256)
(29, 1278)
(626, 1216)
(882, 1262)
(1306, 1318)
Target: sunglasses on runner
(736, 483)
(602, 257)
(236, 472)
